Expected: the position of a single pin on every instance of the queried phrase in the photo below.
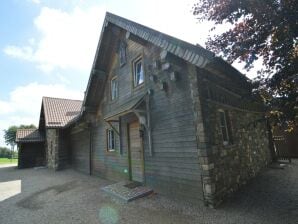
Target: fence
(285, 143)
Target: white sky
(64, 43)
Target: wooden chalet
(163, 112)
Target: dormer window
(138, 72)
(122, 53)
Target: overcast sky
(47, 46)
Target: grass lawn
(8, 161)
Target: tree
(5, 152)
(10, 135)
(265, 30)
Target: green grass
(8, 161)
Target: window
(122, 53)
(114, 88)
(138, 72)
(224, 127)
(111, 140)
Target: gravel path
(42, 196)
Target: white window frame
(114, 88)
(224, 126)
(136, 79)
(111, 140)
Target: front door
(136, 152)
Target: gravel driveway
(42, 196)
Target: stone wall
(52, 145)
(233, 164)
(225, 166)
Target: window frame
(110, 141)
(114, 80)
(226, 139)
(138, 60)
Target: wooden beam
(117, 132)
(99, 73)
(135, 38)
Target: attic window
(138, 72)
(122, 53)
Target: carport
(31, 146)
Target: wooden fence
(285, 143)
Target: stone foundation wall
(231, 165)
(52, 148)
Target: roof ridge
(57, 98)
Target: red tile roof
(59, 112)
(29, 135)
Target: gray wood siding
(63, 151)
(114, 165)
(125, 79)
(110, 165)
(79, 143)
(31, 154)
(174, 166)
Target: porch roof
(29, 135)
(125, 108)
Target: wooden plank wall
(114, 165)
(31, 155)
(64, 150)
(174, 167)
(79, 144)
(110, 165)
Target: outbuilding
(31, 148)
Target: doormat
(133, 185)
(127, 190)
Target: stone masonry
(52, 148)
(230, 166)
(225, 167)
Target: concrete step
(127, 190)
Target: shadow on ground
(71, 197)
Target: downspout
(149, 124)
(90, 148)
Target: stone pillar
(203, 143)
(52, 148)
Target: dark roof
(29, 135)
(194, 54)
(58, 112)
